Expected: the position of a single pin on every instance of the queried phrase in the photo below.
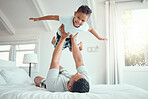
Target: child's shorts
(66, 44)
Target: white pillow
(15, 76)
(2, 81)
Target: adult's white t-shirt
(56, 82)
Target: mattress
(30, 91)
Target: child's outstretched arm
(49, 17)
(91, 30)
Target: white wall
(136, 78)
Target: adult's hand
(63, 34)
(73, 36)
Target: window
(135, 30)
(4, 52)
(21, 50)
(16, 53)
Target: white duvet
(28, 91)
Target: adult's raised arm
(76, 52)
(58, 49)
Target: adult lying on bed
(58, 79)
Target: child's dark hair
(84, 9)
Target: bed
(12, 88)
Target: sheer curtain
(12, 55)
(112, 67)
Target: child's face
(79, 19)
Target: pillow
(15, 76)
(2, 81)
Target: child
(72, 24)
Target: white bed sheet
(28, 91)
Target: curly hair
(81, 86)
(84, 9)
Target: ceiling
(18, 12)
(3, 30)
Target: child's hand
(103, 39)
(34, 19)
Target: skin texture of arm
(76, 52)
(91, 30)
(49, 17)
(58, 50)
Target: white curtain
(92, 5)
(112, 68)
(12, 55)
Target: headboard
(7, 64)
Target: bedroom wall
(136, 78)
